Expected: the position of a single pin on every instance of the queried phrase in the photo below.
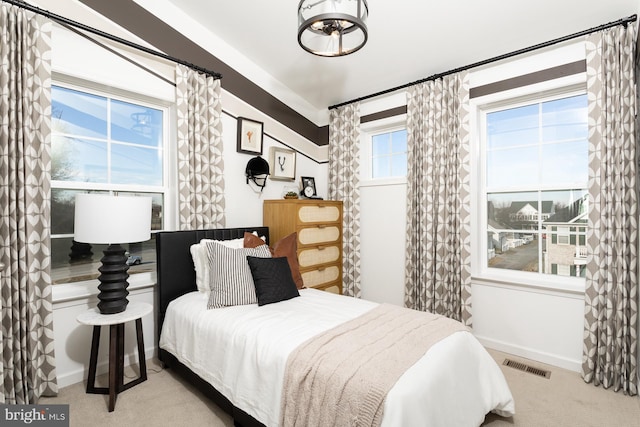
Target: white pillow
(231, 279)
(201, 260)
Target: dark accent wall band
(397, 111)
(148, 27)
(564, 70)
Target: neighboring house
(498, 239)
(525, 215)
(504, 223)
(565, 251)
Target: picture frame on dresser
(308, 187)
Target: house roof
(576, 211)
(547, 206)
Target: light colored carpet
(163, 400)
(562, 400)
(166, 400)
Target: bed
(238, 355)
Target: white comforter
(242, 351)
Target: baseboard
(80, 375)
(532, 354)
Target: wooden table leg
(142, 362)
(113, 363)
(93, 360)
(120, 350)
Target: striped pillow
(231, 282)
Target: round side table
(135, 311)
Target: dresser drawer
(318, 224)
(319, 234)
(318, 213)
(321, 276)
(333, 289)
(308, 257)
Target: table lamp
(112, 220)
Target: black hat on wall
(257, 171)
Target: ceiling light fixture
(332, 27)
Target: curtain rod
(623, 21)
(67, 21)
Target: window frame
(479, 107)
(367, 131)
(169, 151)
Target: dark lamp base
(113, 281)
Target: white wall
(544, 325)
(243, 202)
(383, 212)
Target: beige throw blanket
(341, 377)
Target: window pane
(136, 124)
(535, 230)
(399, 141)
(135, 165)
(565, 163)
(78, 113)
(74, 262)
(380, 144)
(513, 127)
(512, 231)
(389, 154)
(515, 211)
(516, 167)
(97, 139)
(514, 251)
(567, 206)
(399, 165)
(380, 167)
(565, 231)
(157, 208)
(63, 204)
(565, 119)
(78, 160)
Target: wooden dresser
(319, 227)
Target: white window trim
(546, 283)
(82, 289)
(389, 124)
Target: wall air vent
(527, 368)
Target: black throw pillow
(272, 279)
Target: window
(383, 153)
(102, 144)
(534, 167)
(389, 154)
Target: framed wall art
(282, 163)
(250, 135)
(309, 187)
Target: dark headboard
(176, 273)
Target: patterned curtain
(27, 363)
(437, 266)
(344, 184)
(611, 299)
(200, 164)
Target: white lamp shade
(105, 219)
